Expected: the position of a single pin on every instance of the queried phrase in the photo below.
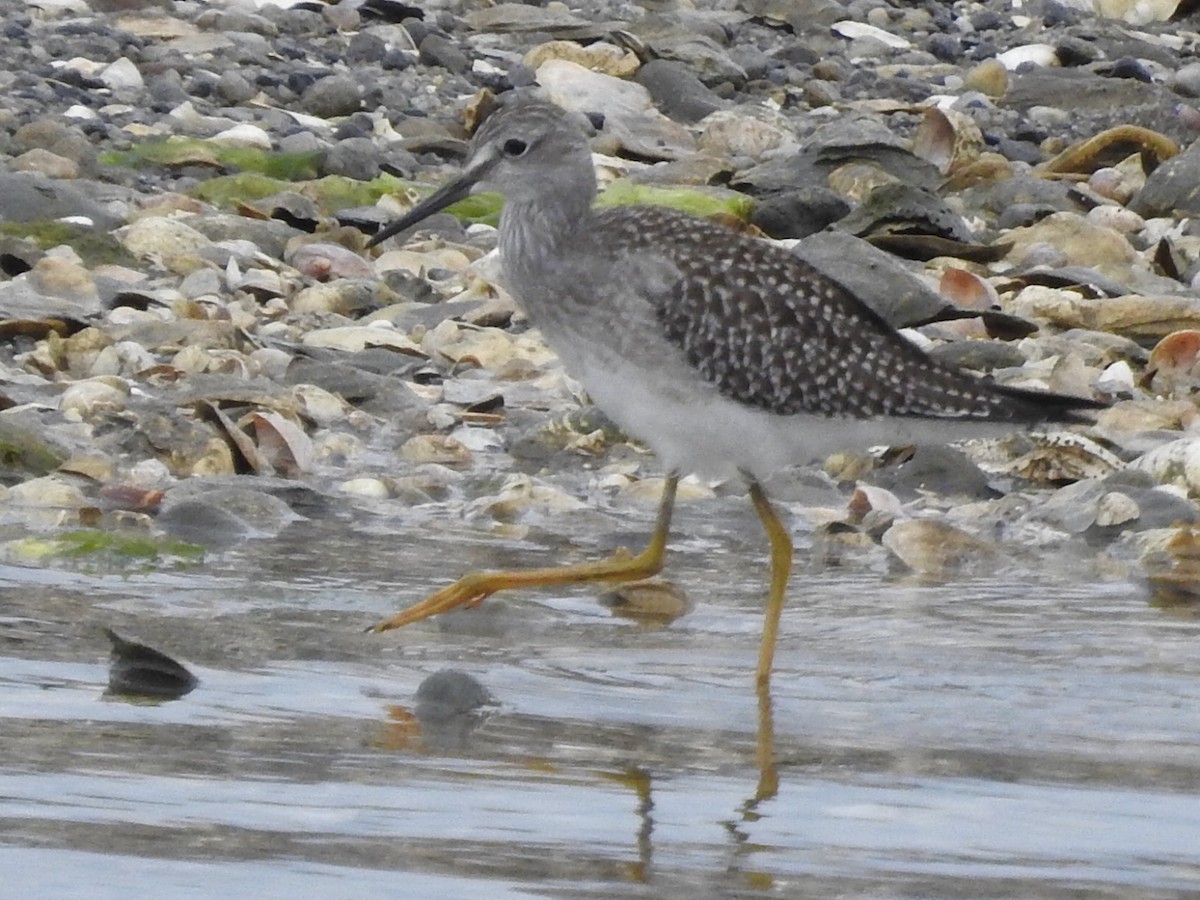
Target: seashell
(859, 30)
(282, 443)
(948, 139)
(1064, 457)
(868, 498)
(356, 338)
(1042, 55)
(371, 488)
(243, 135)
(262, 283)
(655, 603)
(1177, 463)
(84, 399)
(1115, 508)
(137, 670)
(1177, 353)
(326, 261)
(318, 404)
(435, 448)
(967, 290)
(487, 348)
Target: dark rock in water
(449, 694)
(136, 670)
(199, 522)
(450, 706)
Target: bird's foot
(468, 591)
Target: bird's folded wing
(772, 332)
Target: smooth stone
(1172, 188)
(799, 213)
(331, 97)
(874, 276)
(32, 197)
(930, 547)
(1084, 243)
(677, 91)
(933, 467)
(122, 76)
(355, 157)
(436, 50)
(44, 162)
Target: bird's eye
(514, 147)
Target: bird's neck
(536, 233)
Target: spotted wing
(772, 332)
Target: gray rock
(934, 467)
(983, 356)
(878, 278)
(1173, 186)
(909, 209)
(677, 91)
(332, 96)
(301, 142)
(233, 87)
(30, 197)
(365, 48)
(998, 197)
(1186, 80)
(450, 693)
(20, 299)
(799, 213)
(436, 50)
(1096, 102)
(167, 87)
(848, 139)
(269, 235)
(355, 157)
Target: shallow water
(1033, 733)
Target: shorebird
(725, 354)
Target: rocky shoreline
(196, 348)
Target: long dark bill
(456, 190)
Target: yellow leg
(781, 568)
(764, 755)
(472, 589)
